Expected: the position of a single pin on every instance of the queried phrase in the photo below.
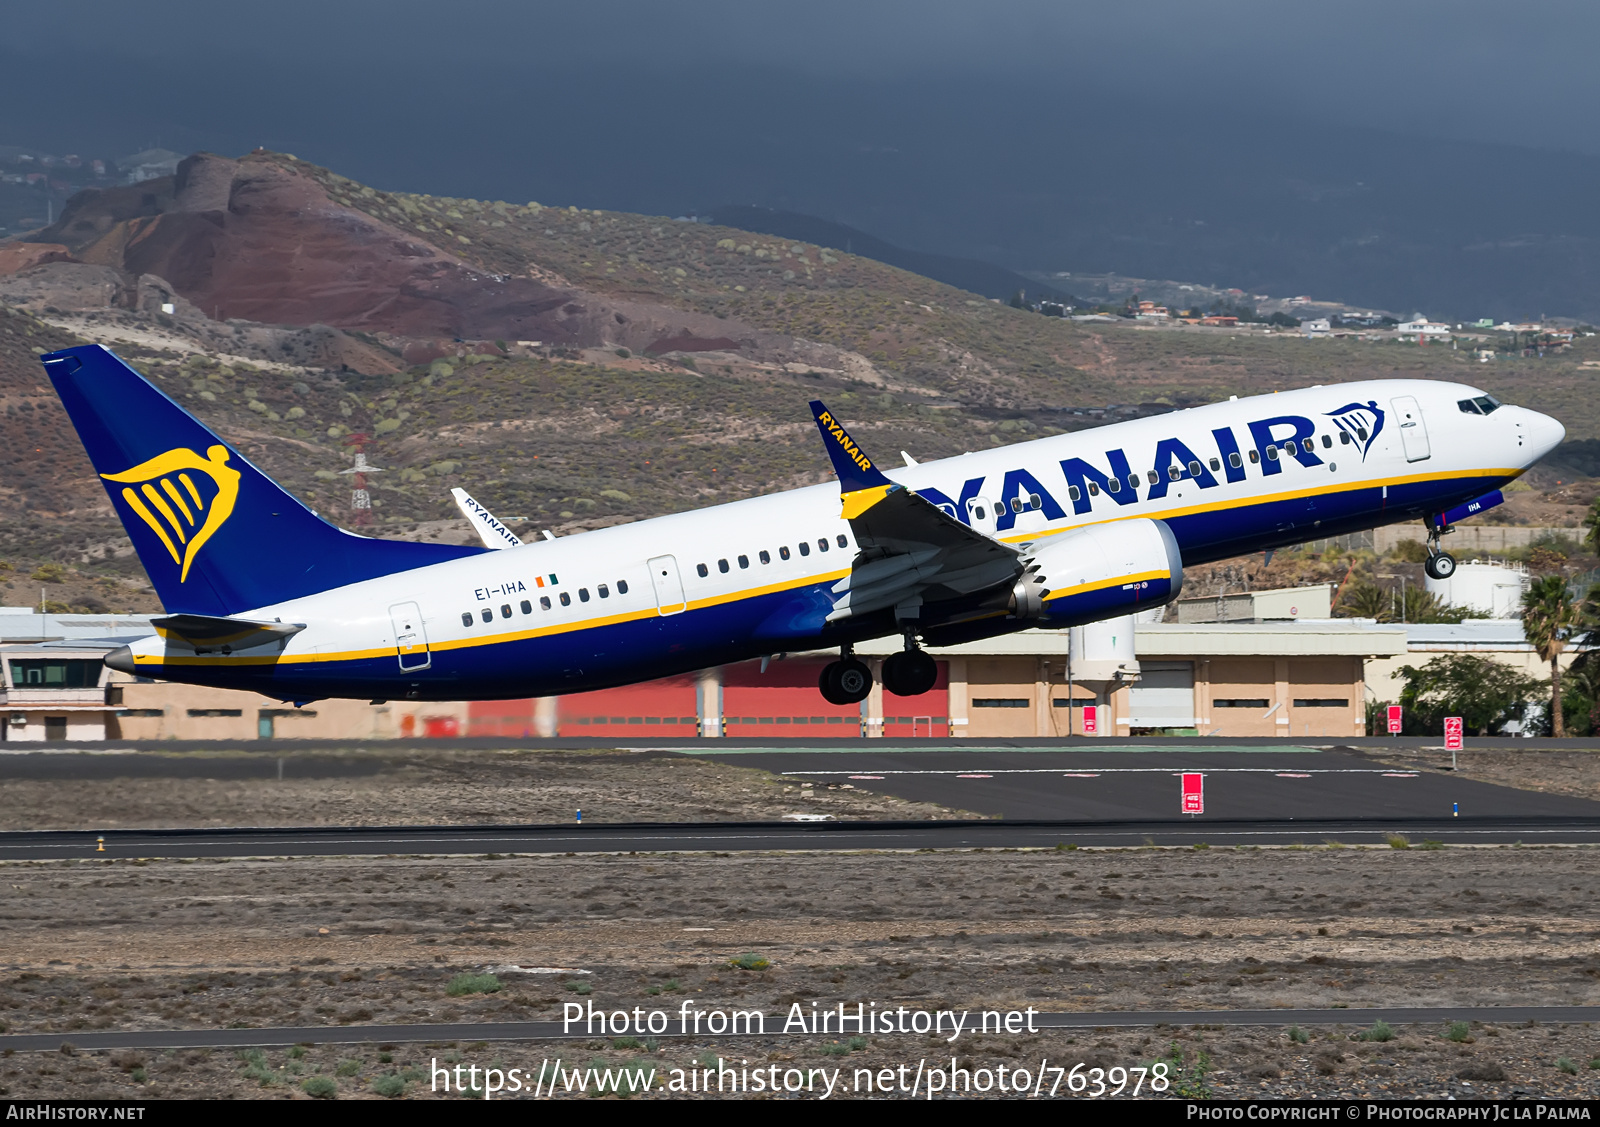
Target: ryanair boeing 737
(263, 594)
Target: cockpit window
(1481, 405)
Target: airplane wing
(910, 551)
(493, 534)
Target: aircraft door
(981, 515)
(410, 639)
(668, 584)
(1413, 431)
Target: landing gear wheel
(845, 682)
(1441, 566)
(909, 674)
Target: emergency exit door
(667, 583)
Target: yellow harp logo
(188, 516)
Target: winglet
(861, 483)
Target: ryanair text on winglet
(844, 440)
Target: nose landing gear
(1440, 564)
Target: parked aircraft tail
(216, 535)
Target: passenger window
(1327, 441)
(843, 543)
(1153, 476)
(1215, 464)
(466, 619)
(701, 570)
(1308, 446)
(1255, 457)
(505, 610)
(765, 556)
(1094, 491)
(622, 586)
(1035, 502)
(1016, 504)
(486, 614)
(1072, 493)
(544, 602)
(979, 513)
(1174, 472)
(1113, 485)
(1194, 469)
(1133, 482)
(1272, 453)
(1361, 433)
(1234, 460)
(822, 544)
(583, 594)
(566, 599)
(1344, 438)
(527, 607)
(805, 549)
(603, 591)
(744, 561)
(722, 566)
(783, 552)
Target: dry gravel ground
(128, 944)
(427, 786)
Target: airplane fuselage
(696, 589)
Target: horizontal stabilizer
(208, 634)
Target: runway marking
(967, 773)
(877, 777)
(1293, 775)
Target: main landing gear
(1440, 564)
(907, 674)
(846, 681)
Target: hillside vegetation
(571, 438)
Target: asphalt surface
(554, 1030)
(729, 837)
(1141, 782)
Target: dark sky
(1261, 144)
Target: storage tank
(1489, 588)
(1101, 649)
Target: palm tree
(1550, 619)
(1591, 521)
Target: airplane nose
(1542, 434)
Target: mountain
(969, 274)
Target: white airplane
(263, 594)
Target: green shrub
(835, 1049)
(578, 986)
(472, 984)
(1398, 841)
(347, 1068)
(857, 1044)
(389, 1085)
(1459, 1032)
(750, 961)
(1430, 843)
(297, 1051)
(1298, 1036)
(1188, 1081)
(1567, 1065)
(1380, 1031)
(626, 1043)
(320, 1088)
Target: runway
(1140, 782)
(554, 1030)
(717, 837)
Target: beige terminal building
(1275, 665)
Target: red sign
(1452, 733)
(1090, 720)
(1194, 793)
(1394, 719)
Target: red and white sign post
(1394, 719)
(1091, 721)
(1452, 738)
(1194, 793)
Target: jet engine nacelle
(1104, 570)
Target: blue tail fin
(216, 535)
